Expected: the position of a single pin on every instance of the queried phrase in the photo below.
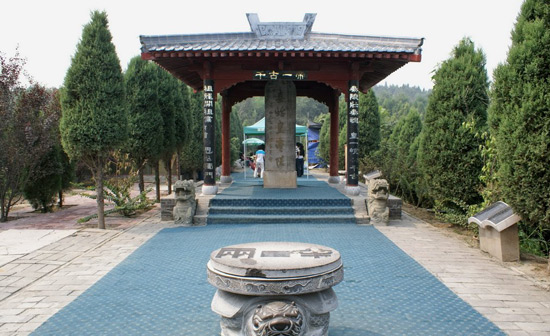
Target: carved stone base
(226, 179)
(353, 190)
(334, 179)
(280, 179)
(298, 315)
(209, 190)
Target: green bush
(44, 184)
(117, 191)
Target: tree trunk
(60, 196)
(157, 179)
(99, 191)
(180, 173)
(168, 166)
(141, 181)
(3, 218)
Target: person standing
(299, 159)
(260, 160)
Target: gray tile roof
(315, 42)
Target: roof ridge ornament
(281, 30)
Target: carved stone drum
(275, 288)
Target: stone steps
(279, 219)
(270, 210)
(280, 211)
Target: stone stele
(275, 288)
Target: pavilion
(280, 60)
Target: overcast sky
(47, 32)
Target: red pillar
(226, 147)
(334, 178)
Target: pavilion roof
(290, 46)
(245, 42)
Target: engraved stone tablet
(275, 268)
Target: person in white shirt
(260, 161)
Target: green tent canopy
(259, 129)
(253, 141)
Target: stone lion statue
(377, 201)
(186, 204)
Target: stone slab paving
(509, 298)
(16, 243)
(38, 284)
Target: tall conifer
(182, 124)
(94, 120)
(144, 118)
(520, 116)
(369, 124)
(449, 153)
(170, 100)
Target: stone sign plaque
(276, 75)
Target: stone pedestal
(334, 179)
(502, 245)
(498, 231)
(280, 134)
(275, 288)
(226, 179)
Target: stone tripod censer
(275, 288)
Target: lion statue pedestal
(377, 201)
(275, 288)
(186, 204)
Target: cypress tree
(520, 116)
(94, 120)
(169, 100)
(145, 122)
(449, 153)
(406, 170)
(182, 121)
(192, 152)
(369, 124)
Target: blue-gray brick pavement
(161, 289)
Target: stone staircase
(280, 211)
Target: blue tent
(313, 133)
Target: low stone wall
(166, 207)
(395, 204)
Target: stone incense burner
(275, 288)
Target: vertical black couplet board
(209, 133)
(353, 134)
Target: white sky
(47, 32)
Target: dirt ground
(530, 266)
